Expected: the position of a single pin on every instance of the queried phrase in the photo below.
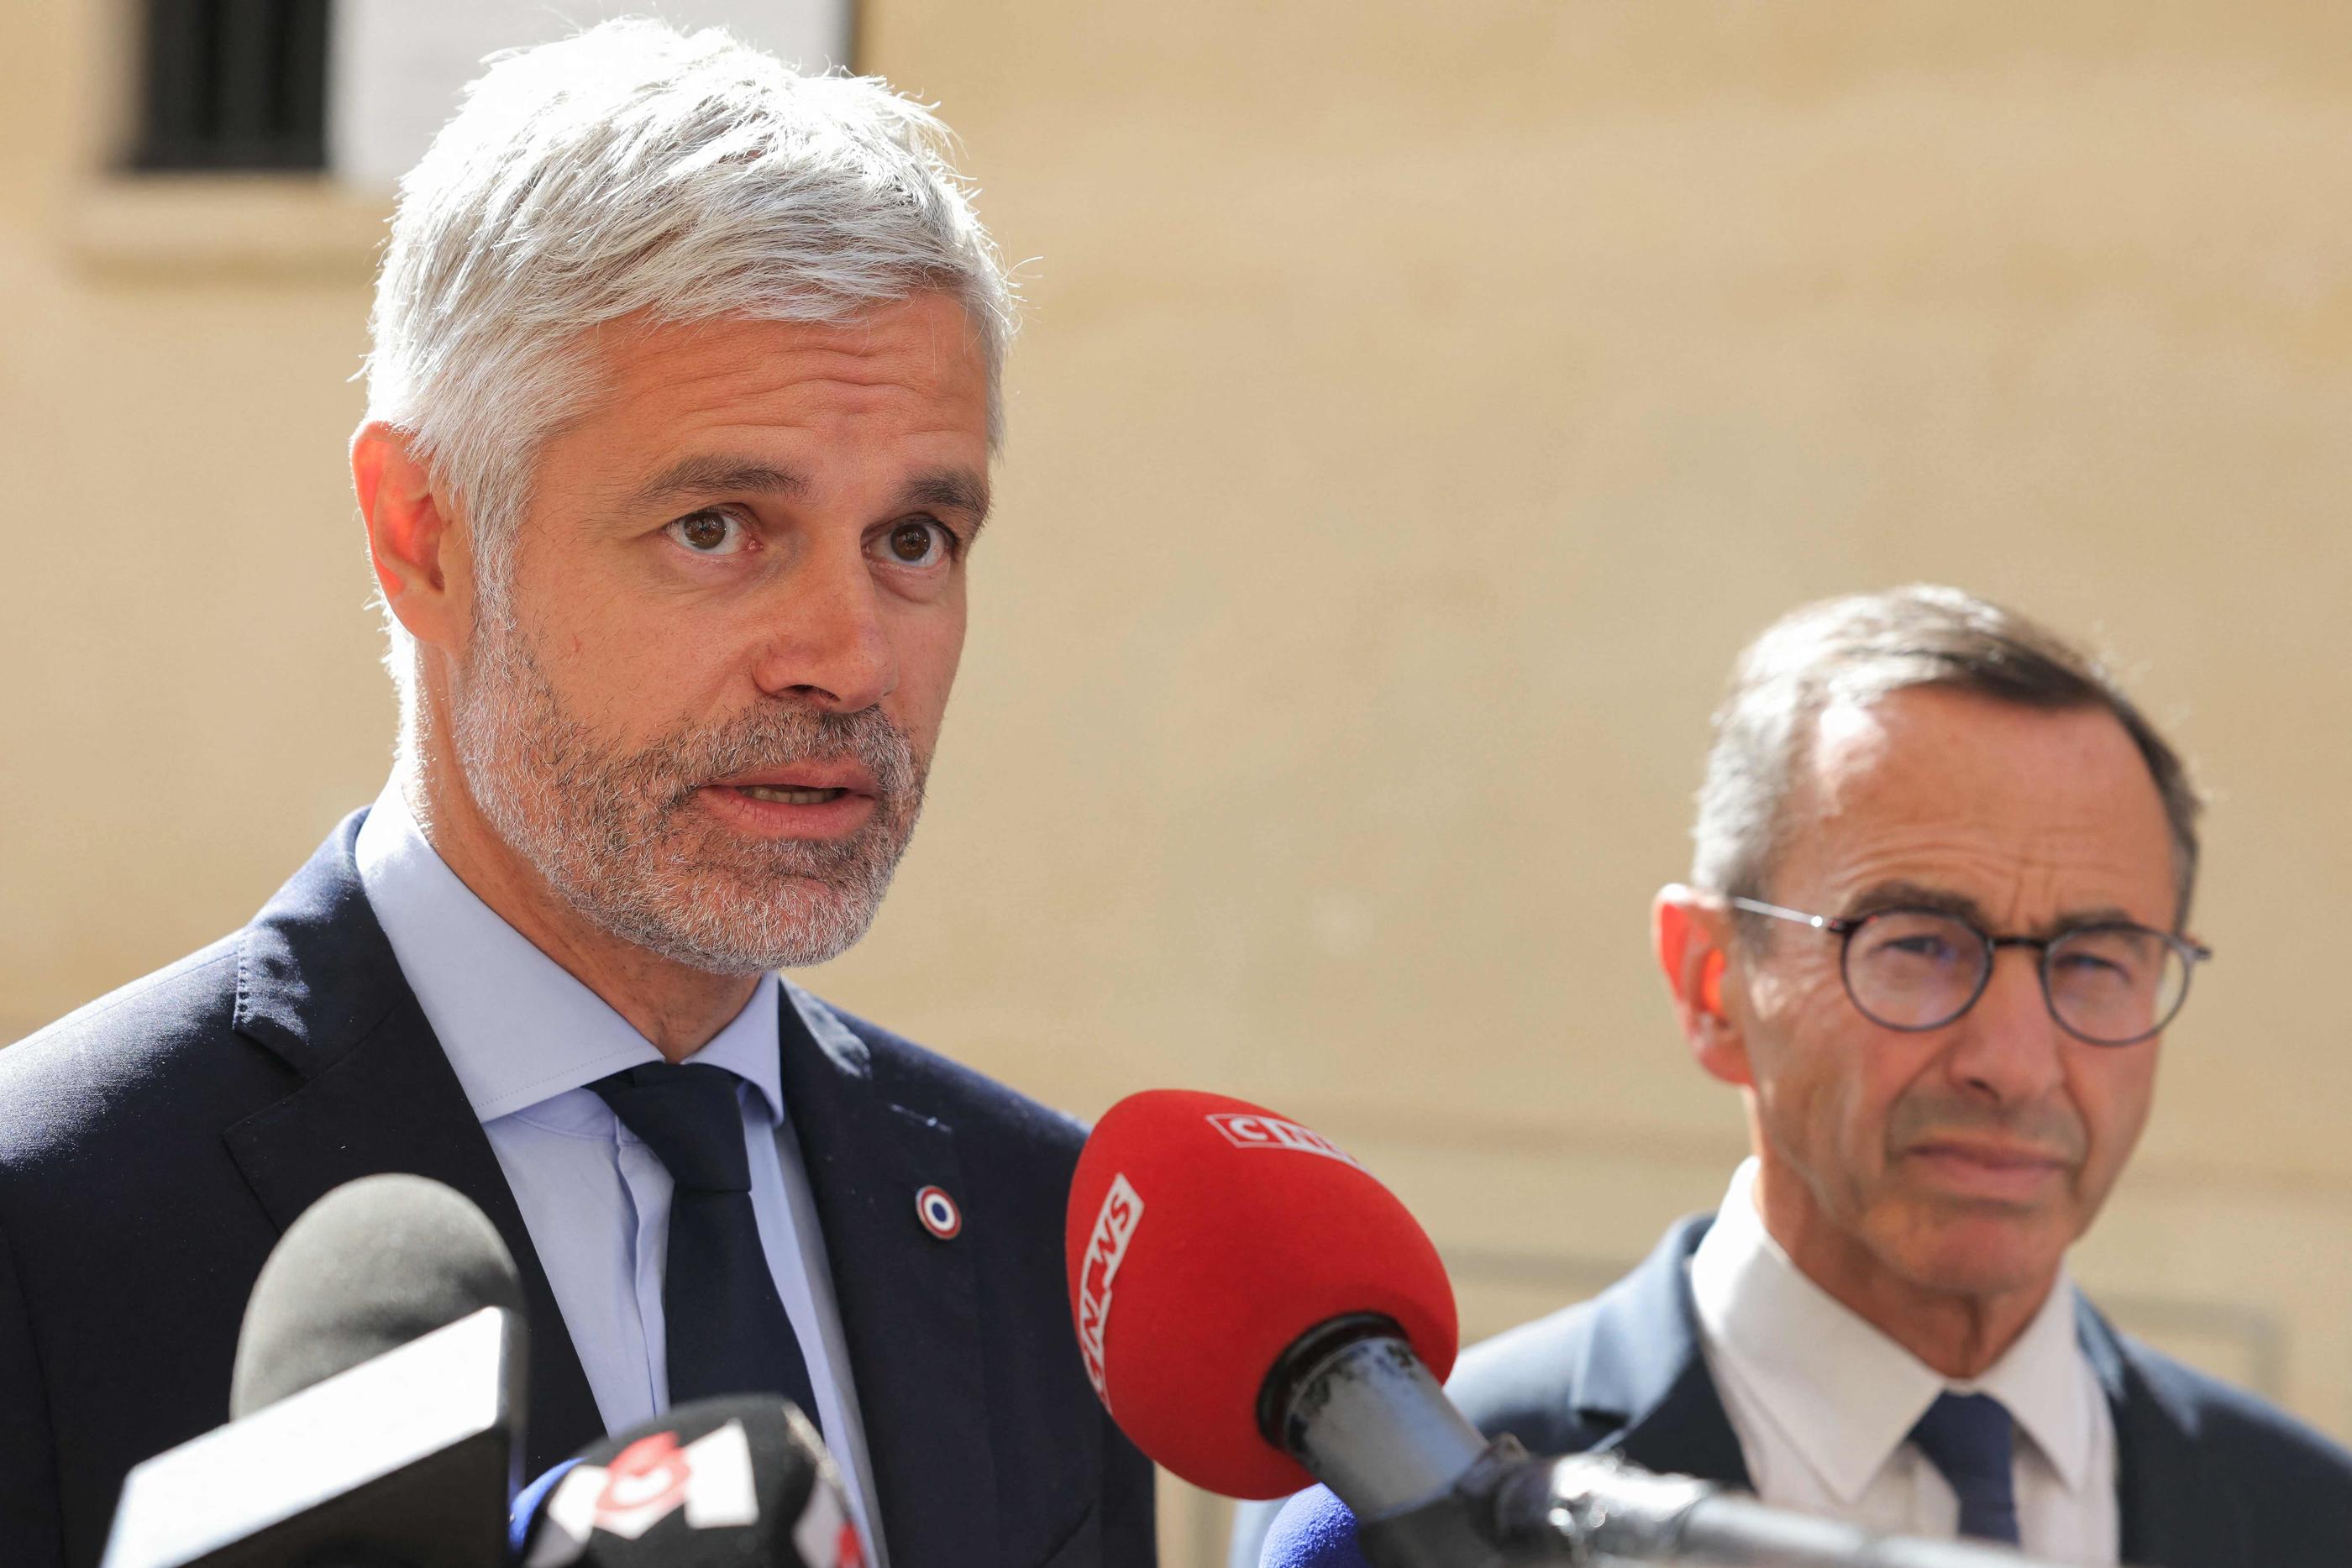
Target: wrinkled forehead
(2030, 813)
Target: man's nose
(829, 641)
(2009, 1046)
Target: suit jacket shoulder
(103, 1068)
(110, 1120)
(2208, 1473)
(1624, 1372)
(979, 1104)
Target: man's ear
(423, 556)
(1691, 936)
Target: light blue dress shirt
(525, 1039)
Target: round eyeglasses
(2113, 983)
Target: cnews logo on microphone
(1106, 1249)
(1255, 1132)
(646, 1482)
(710, 1478)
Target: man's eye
(708, 533)
(918, 541)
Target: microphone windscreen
(739, 1482)
(1314, 1530)
(1205, 1236)
(375, 1264)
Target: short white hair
(628, 169)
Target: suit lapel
(2164, 1502)
(1687, 1433)
(318, 987)
(1643, 1370)
(909, 1302)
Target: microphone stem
(1366, 1419)
(1595, 1507)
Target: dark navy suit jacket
(154, 1144)
(2205, 1476)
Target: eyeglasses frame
(1843, 927)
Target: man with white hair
(684, 391)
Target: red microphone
(1248, 1297)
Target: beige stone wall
(1419, 405)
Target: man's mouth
(788, 794)
(1993, 1171)
(811, 782)
(814, 801)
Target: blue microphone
(1314, 1530)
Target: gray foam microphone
(377, 1397)
(374, 1265)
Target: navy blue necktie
(724, 1326)
(1971, 1439)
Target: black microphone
(376, 1401)
(738, 1482)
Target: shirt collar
(1843, 1393)
(2046, 1381)
(518, 1028)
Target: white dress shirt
(1823, 1402)
(525, 1039)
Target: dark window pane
(235, 84)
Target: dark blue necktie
(724, 1326)
(1970, 1438)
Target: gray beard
(618, 839)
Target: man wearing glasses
(1936, 925)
